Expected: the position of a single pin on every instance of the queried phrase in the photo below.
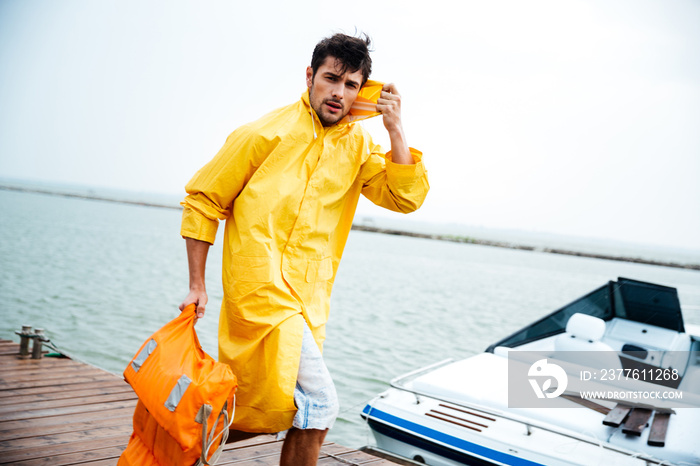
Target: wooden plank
(36, 431)
(237, 441)
(352, 460)
(60, 375)
(337, 454)
(61, 383)
(7, 350)
(272, 460)
(15, 361)
(17, 356)
(39, 413)
(657, 433)
(93, 457)
(42, 423)
(42, 451)
(28, 407)
(11, 360)
(48, 394)
(617, 415)
(109, 462)
(12, 365)
(636, 421)
(51, 441)
(57, 375)
(17, 364)
(268, 454)
(386, 457)
(39, 373)
(6, 396)
(233, 454)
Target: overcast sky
(574, 117)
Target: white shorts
(314, 396)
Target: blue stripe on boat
(455, 442)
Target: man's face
(331, 92)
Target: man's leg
(302, 447)
(317, 407)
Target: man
(288, 185)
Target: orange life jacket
(186, 399)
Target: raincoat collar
(365, 105)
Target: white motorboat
(612, 378)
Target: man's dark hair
(351, 52)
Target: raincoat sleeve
(394, 186)
(214, 187)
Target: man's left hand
(389, 105)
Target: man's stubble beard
(323, 120)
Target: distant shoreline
(88, 197)
(388, 231)
(501, 244)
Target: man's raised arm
(389, 104)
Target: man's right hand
(196, 261)
(197, 297)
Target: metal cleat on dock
(25, 335)
(38, 339)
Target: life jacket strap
(202, 418)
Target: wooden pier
(57, 411)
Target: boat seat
(583, 334)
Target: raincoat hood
(365, 105)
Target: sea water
(100, 277)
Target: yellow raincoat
(288, 188)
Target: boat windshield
(628, 299)
(648, 303)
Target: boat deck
(57, 411)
